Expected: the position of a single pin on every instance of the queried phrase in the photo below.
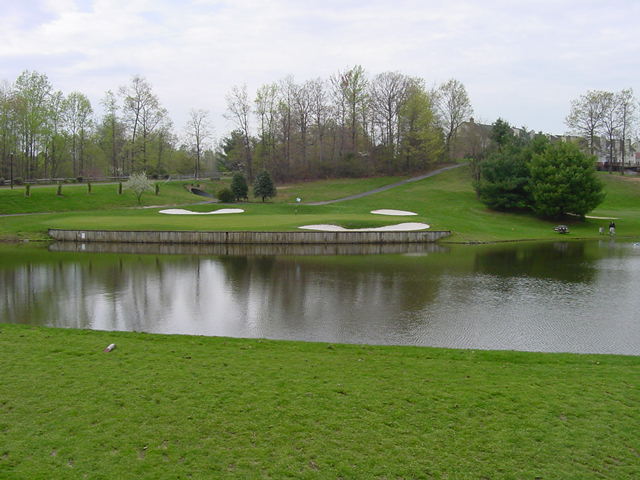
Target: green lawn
(178, 407)
(76, 197)
(446, 202)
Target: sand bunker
(400, 227)
(601, 218)
(181, 211)
(387, 211)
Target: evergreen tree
(563, 181)
(505, 177)
(264, 186)
(239, 187)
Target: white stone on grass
(182, 211)
(400, 227)
(387, 211)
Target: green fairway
(445, 202)
(75, 197)
(193, 407)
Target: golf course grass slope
(178, 407)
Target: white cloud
(522, 61)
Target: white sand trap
(400, 227)
(181, 211)
(387, 211)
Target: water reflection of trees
(289, 297)
(563, 261)
(311, 298)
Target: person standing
(612, 228)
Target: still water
(561, 297)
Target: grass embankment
(446, 202)
(193, 407)
(76, 197)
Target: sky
(523, 61)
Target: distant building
(474, 139)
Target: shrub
(226, 195)
(18, 181)
(1, 181)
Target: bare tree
(626, 103)
(55, 148)
(303, 109)
(238, 110)
(611, 124)
(286, 90)
(77, 115)
(353, 86)
(198, 131)
(454, 108)
(319, 112)
(110, 125)
(266, 109)
(143, 114)
(388, 92)
(587, 115)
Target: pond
(553, 296)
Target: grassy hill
(446, 202)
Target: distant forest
(351, 124)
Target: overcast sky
(520, 60)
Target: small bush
(226, 195)
(79, 179)
(18, 181)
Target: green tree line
(46, 134)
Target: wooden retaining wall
(105, 236)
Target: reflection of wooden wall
(105, 236)
(249, 250)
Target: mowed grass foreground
(177, 407)
(445, 202)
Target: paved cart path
(388, 187)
